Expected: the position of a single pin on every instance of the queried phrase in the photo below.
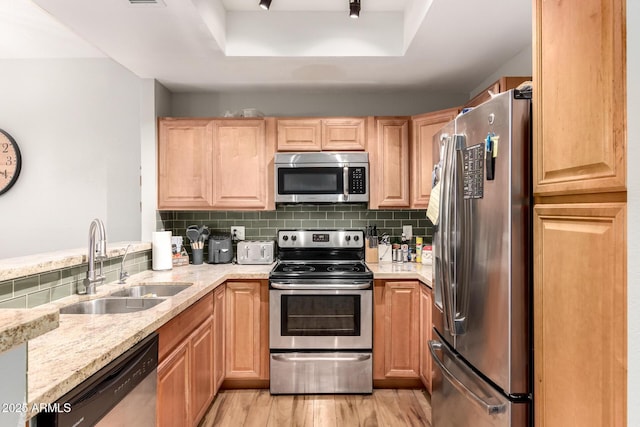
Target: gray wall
(314, 103)
(633, 198)
(519, 65)
(77, 124)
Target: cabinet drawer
(177, 329)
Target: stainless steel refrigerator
(481, 347)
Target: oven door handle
(316, 287)
(313, 358)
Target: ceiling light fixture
(354, 9)
(265, 4)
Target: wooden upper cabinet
(316, 134)
(389, 162)
(184, 163)
(579, 97)
(299, 135)
(502, 85)
(343, 134)
(580, 325)
(423, 128)
(216, 163)
(241, 158)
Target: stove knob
(293, 238)
(285, 237)
(356, 238)
(348, 237)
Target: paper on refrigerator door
(433, 210)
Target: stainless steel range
(321, 313)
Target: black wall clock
(10, 161)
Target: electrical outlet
(408, 231)
(237, 232)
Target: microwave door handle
(345, 182)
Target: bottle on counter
(419, 249)
(404, 247)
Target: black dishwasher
(123, 393)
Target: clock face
(10, 161)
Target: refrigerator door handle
(445, 233)
(463, 239)
(488, 408)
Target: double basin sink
(135, 298)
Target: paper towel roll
(161, 250)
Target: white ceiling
(202, 45)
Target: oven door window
(320, 315)
(316, 180)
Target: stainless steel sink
(111, 305)
(152, 290)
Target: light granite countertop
(11, 268)
(18, 326)
(403, 271)
(63, 358)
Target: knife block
(370, 255)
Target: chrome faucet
(123, 274)
(97, 252)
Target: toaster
(220, 249)
(255, 252)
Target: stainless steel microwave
(316, 177)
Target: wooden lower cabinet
(396, 336)
(218, 337)
(173, 389)
(185, 371)
(202, 378)
(425, 336)
(247, 330)
(580, 324)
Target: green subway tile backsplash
(32, 291)
(263, 225)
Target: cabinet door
(184, 163)
(202, 370)
(580, 327)
(240, 157)
(389, 173)
(396, 330)
(299, 135)
(173, 389)
(245, 331)
(343, 134)
(425, 336)
(579, 99)
(423, 128)
(218, 337)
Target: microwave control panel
(357, 180)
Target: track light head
(265, 4)
(354, 9)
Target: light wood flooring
(385, 407)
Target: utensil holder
(198, 256)
(370, 255)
